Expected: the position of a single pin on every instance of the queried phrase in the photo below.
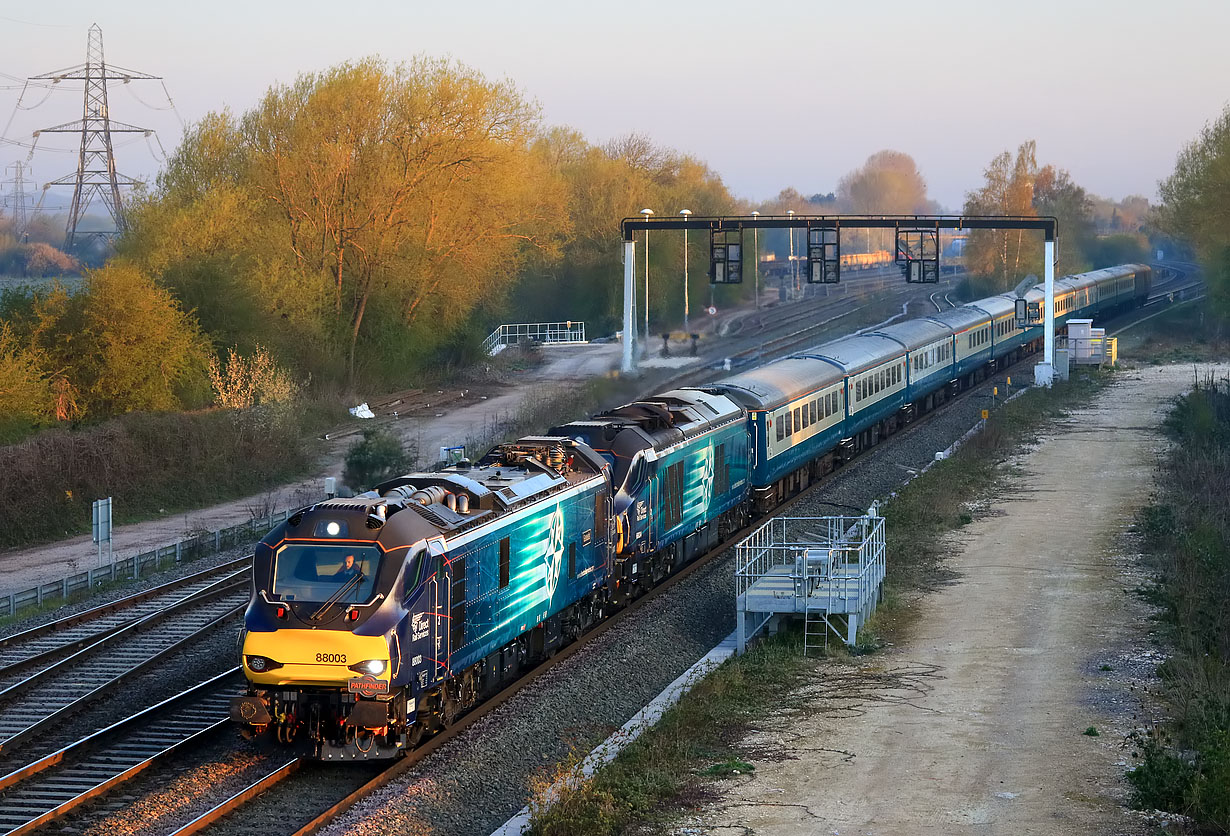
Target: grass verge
(699, 736)
(1186, 332)
(1184, 765)
(702, 737)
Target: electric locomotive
(377, 619)
(679, 478)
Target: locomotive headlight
(375, 667)
(260, 664)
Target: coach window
(781, 428)
(797, 426)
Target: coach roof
(777, 383)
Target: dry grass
(149, 463)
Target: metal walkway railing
(540, 332)
(817, 567)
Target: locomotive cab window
(303, 572)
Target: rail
(540, 332)
(58, 783)
(56, 692)
(137, 566)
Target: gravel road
(976, 723)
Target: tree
(603, 185)
(888, 183)
(121, 344)
(1055, 194)
(406, 193)
(1006, 255)
(1196, 203)
(25, 395)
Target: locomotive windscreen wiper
(357, 577)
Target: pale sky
(770, 95)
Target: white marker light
(333, 528)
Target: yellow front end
(314, 658)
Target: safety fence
(539, 332)
(135, 567)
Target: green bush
(379, 455)
(1185, 767)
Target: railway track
(82, 772)
(40, 700)
(834, 310)
(43, 644)
(286, 771)
(1181, 279)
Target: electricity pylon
(16, 199)
(96, 175)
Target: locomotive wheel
(449, 710)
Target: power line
(40, 25)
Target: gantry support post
(628, 366)
(1044, 372)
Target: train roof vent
(431, 516)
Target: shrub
(379, 455)
(1185, 767)
(149, 463)
(242, 382)
(24, 391)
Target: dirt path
(974, 725)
